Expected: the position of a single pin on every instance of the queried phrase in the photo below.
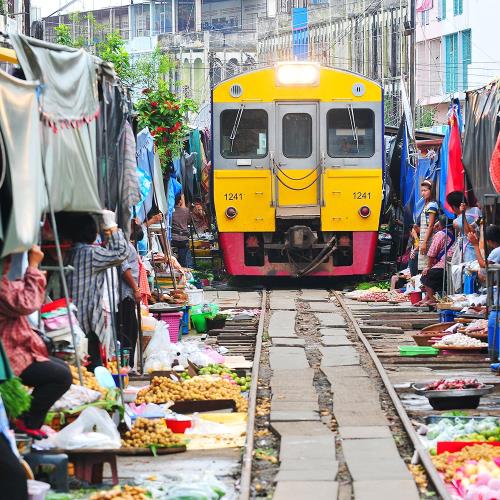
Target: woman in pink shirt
(28, 356)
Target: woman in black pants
(28, 356)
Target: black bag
(49, 343)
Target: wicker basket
(423, 338)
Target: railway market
(283, 285)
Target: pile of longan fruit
(89, 380)
(146, 432)
(122, 493)
(163, 389)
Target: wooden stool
(89, 466)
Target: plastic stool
(89, 466)
(58, 479)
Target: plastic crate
(173, 320)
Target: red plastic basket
(453, 446)
(173, 320)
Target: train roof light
(297, 73)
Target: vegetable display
(163, 389)
(455, 428)
(15, 397)
(150, 433)
(227, 374)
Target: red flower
(164, 140)
(154, 104)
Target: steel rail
(246, 465)
(419, 448)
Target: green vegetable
(15, 397)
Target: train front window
(351, 133)
(297, 135)
(243, 133)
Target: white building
(456, 50)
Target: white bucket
(195, 296)
(37, 490)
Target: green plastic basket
(418, 351)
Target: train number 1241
(233, 196)
(361, 195)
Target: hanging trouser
(128, 326)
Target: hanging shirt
(87, 280)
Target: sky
(49, 6)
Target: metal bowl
(453, 393)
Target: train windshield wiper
(236, 125)
(354, 129)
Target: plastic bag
(159, 361)
(160, 340)
(92, 429)
(76, 395)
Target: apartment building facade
(456, 51)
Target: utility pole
(412, 83)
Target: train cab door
(296, 165)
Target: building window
(243, 133)
(452, 61)
(297, 135)
(351, 133)
(466, 57)
(424, 18)
(458, 7)
(441, 9)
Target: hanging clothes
(131, 194)
(69, 106)
(195, 147)
(189, 177)
(22, 195)
(145, 166)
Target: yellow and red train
(297, 159)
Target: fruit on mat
(122, 493)
(89, 379)
(448, 463)
(146, 432)
(163, 389)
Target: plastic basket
(447, 315)
(173, 320)
(199, 322)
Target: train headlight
(297, 73)
(231, 212)
(365, 212)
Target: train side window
(243, 133)
(351, 133)
(297, 135)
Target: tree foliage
(164, 113)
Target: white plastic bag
(92, 429)
(160, 340)
(159, 361)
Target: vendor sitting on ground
(492, 238)
(443, 244)
(27, 353)
(90, 262)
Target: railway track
(331, 399)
